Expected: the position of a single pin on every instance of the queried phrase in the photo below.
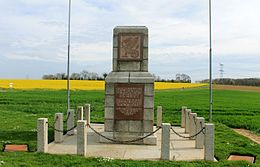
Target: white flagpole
(68, 65)
(210, 65)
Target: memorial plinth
(129, 88)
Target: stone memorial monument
(129, 88)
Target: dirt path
(232, 87)
(249, 135)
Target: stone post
(70, 122)
(80, 113)
(81, 137)
(159, 116)
(165, 143)
(209, 142)
(183, 118)
(58, 125)
(199, 142)
(87, 113)
(193, 127)
(42, 135)
(187, 120)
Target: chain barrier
(61, 131)
(201, 127)
(71, 129)
(52, 127)
(123, 141)
(68, 116)
(187, 137)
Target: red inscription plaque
(129, 101)
(130, 46)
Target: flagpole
(210, 65)
(68, 65)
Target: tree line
(230, 81)
(83, 75)
(179, 78)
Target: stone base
(151, 140)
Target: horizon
(34, 36)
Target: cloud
(37, 30)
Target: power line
(221, 71)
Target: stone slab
(14, 147)
(117, 77)
(249, 159)
(130, 29)
(129, 66)
(181, 149)
(129, 101)
(130, 46)
(141, 77)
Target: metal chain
(188, 136)
(52, 127)
(201, 127)
(71, 128)
(61, 131)
(123, 141)
(67, 117)
(56, 118)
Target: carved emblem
(129, 101)
(130, 46)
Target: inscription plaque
(129, 101)
(130, 46)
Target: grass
(46, 160)
(19, 111)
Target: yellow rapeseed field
(79, 84)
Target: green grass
(47, 160)
(19, 111)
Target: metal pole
(68, 65)
(210, 65)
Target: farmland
(19, 110)
(79, 84)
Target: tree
(183, 78)
(104, 75)
(84, 74)
(75, 76)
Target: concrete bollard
(187, 120)
(193, 127)
(199, 142)
(42, 135)
(159, 116)
(58, 125)
(70, 122)
(87, 113)
(80, 113)
(81, 137)
(209, 142)
(165, 143)
(183, 112)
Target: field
(19, 110)
(79, 84)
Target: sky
(33, 36)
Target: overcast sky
(33, 36)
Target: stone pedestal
(42, 135)
(58, 125)
(129, 88)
